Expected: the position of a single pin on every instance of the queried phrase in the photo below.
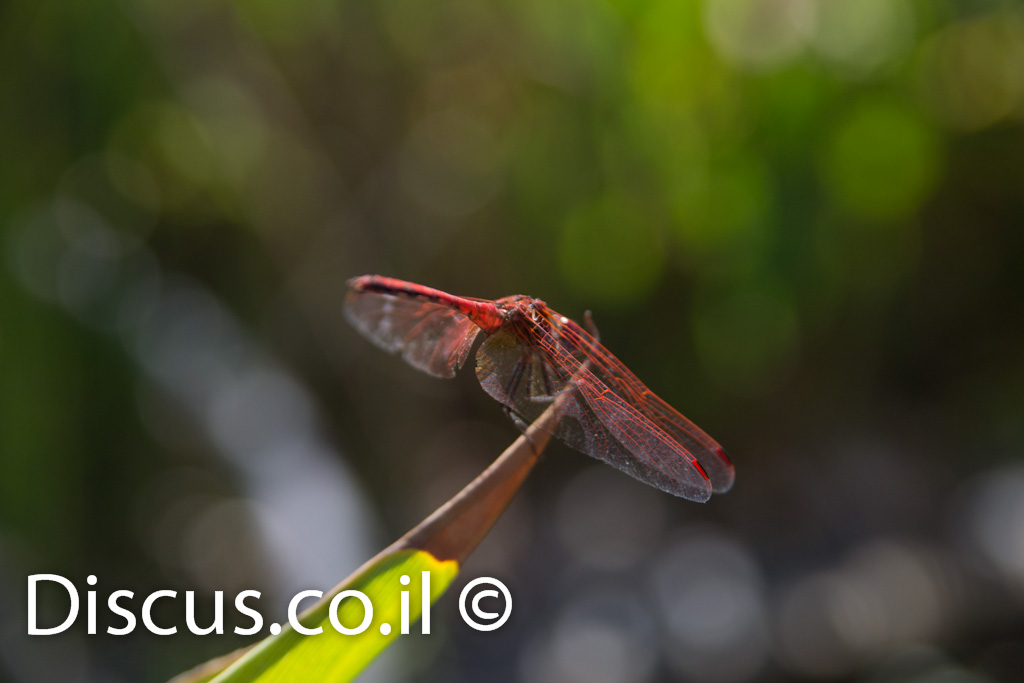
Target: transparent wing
(526, 367)
(430, 336)
(617, 377)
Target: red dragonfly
(530, 356)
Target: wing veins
(587, 384)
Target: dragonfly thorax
(532, 356)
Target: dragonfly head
(522, 307)
(517, 302)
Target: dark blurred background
(799, 221)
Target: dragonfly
(531, 356)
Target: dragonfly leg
(546, 378)
(588, 321)
(512, 385)
(521, 425)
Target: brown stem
(453, 530)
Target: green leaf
(333, 656)
(439, 544)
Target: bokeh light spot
(182, 147)
(882, 162)
(995, 522)
(289, 23)
(450, 162)
(670, 64)
(618, 534)
(747, 337)
(710, 592)
(604, 634)
(859, 36)
(725, 208)
(232, 124)
(759, 33)
(972, 73)
(610, 251)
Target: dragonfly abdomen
(484, 314)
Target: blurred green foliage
(798, 220)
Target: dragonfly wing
(655, 458)
(430, 336)
(709, 454)
(623, 382)
(527, 377)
